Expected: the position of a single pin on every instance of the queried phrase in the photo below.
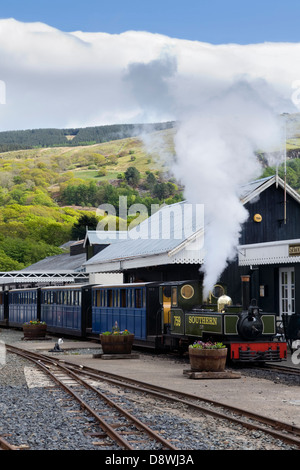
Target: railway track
(115, 421)
(4, 445)
(252, 421)
(283, 369)
(279, 430)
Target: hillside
(46, 191)
(36, 138)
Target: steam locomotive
(162, 316)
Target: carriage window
(109, 298)
(117, 297)
(123, 298)
(129, 298)
(103, 298)
(174, 297)
(138, 298)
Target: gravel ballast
(44, 418)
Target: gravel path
(41, 418)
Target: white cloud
(226, 98)
(59, 79)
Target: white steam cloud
(225, 98)
(215, 147)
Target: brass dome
(223, 301)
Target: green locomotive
(248, 334)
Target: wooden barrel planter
(116, 344)
(34, 332)
(210, 360)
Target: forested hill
(35, 138)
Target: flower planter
(34, 331)
(116, 344)
(213, 360)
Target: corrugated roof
(96, 237)
(249, 188)
(63, 262)
(255, 188)
(162, 232)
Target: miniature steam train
(162, 316)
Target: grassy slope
(145, 158)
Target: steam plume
(215, 148)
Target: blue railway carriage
(134, 307)
(66, 309)
(4, 308)
(24, 306)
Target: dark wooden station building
(268, 261)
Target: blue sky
(213, 21)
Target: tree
(79, 228)
(9, 264)
(151, 180)
(132, 176)
(164, 190)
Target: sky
(213, 21)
